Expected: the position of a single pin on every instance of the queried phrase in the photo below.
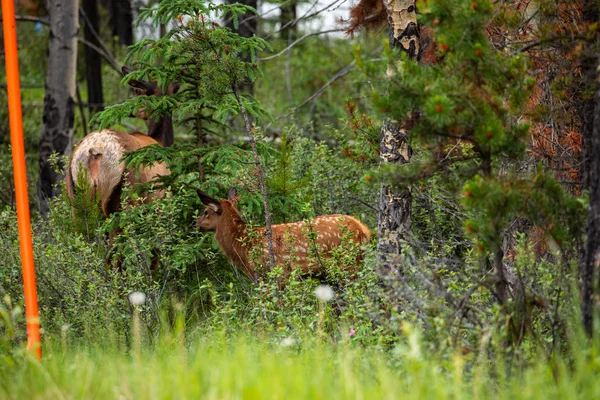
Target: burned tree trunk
(394, 220)
(59, 104)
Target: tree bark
(591, 146)
(122, 21)
(592, 244)
(59, 104)
(394, 220)
(93, 60)
(403, 28)
(394, 205)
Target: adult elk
(98, 157)
(293, 243)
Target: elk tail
(365, 233)
(96, 166)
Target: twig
(307, 15)
(261, 179)
(295, 42)
(103, 50)
(255, 16)
(26, 18)
(107, 54)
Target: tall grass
(219, 366)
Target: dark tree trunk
(93, 60)
(501, 288)
(394, 220)
(592, 245)
(248, 25)
(591, 146)
(248, 22)
(501, 285)
(288, 29)
(59, 104)
(122, 21)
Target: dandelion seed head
(137, 298)
(324, 293)
(287, 342)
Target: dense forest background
(464, 134)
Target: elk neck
(161, 130)
(233, 239)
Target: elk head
(160, 129)
(215, 209)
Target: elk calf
(292, 243)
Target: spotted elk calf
(293, 243)
(98, 157)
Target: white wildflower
(137, 298)
(287, 342)
(324, 293)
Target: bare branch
(103, 50)
(298, 41)
(342, 72)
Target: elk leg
(155, 260)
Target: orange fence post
(20, 172)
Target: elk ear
(233, 196)
(210, 202)
(142, 87)
(125, 70)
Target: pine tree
(211, 62)
(468, 106)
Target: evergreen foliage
(467, 124)
(208, 59)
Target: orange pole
(20, 172)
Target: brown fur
(99, 156)
(291, 241)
